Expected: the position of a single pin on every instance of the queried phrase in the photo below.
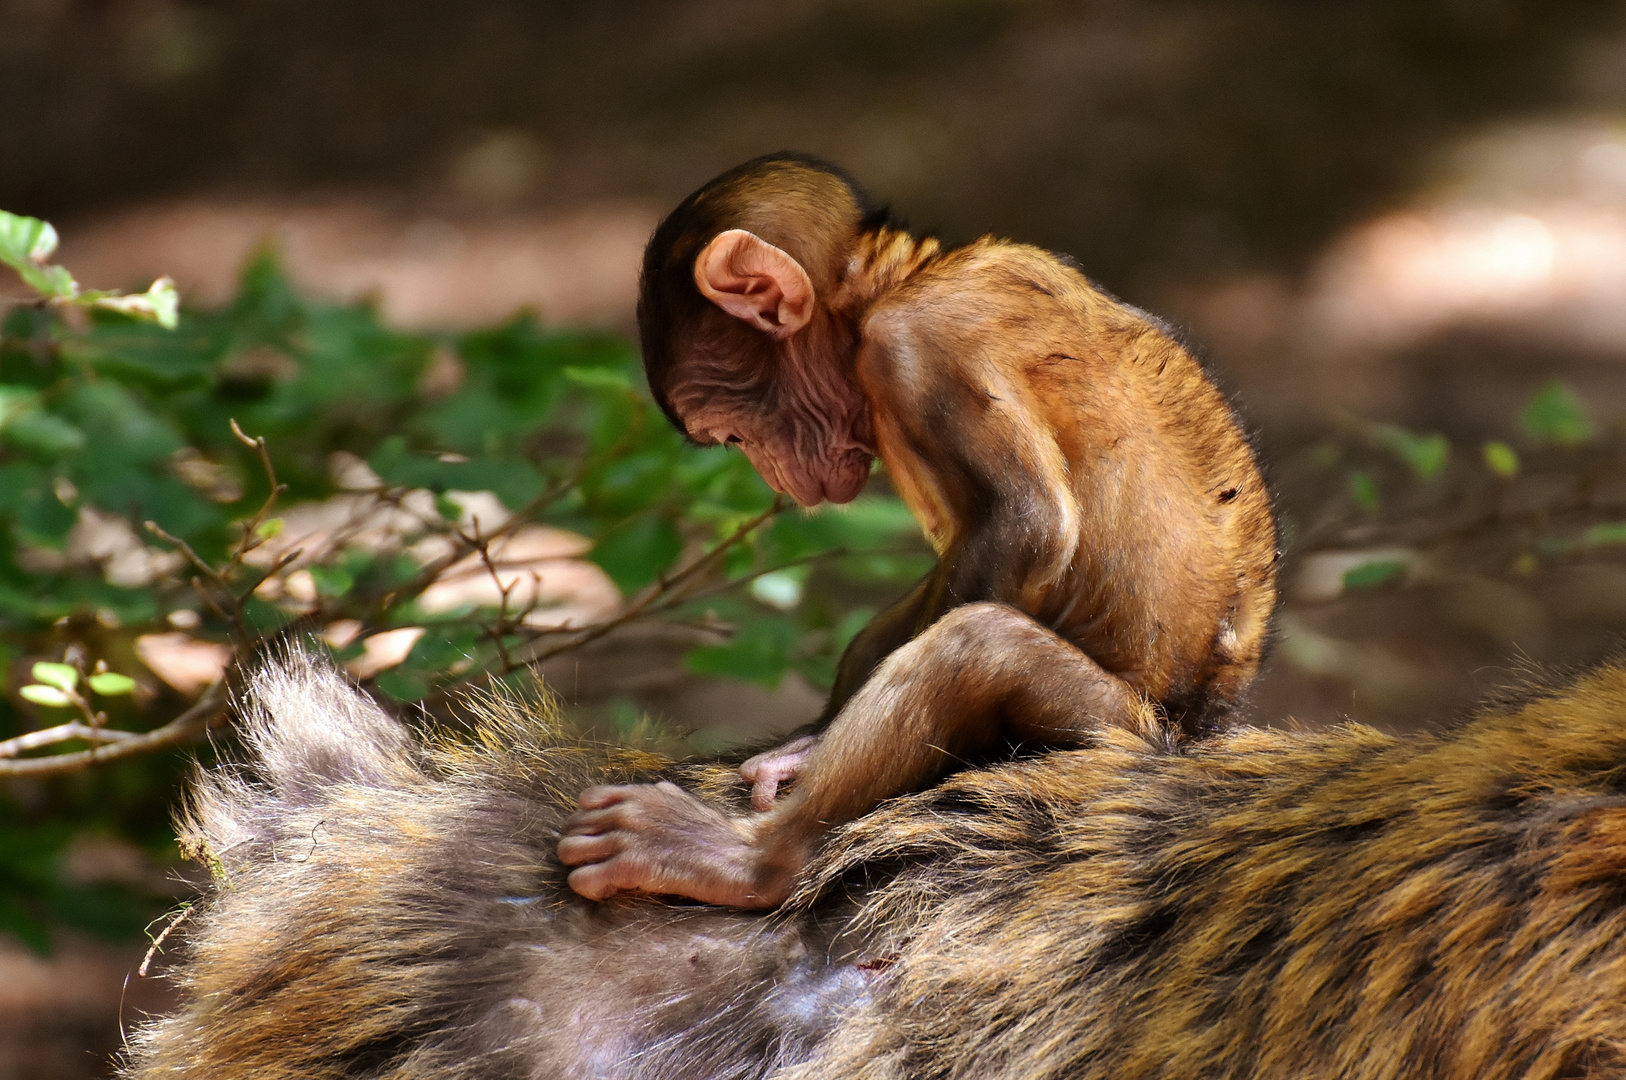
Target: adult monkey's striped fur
(1264, 904)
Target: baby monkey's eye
(732, 439)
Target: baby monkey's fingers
(767, 771)
(603, 795)
(578, 849)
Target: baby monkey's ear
(752, 280)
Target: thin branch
(281, 563)
(1423, 530)
(157, 943)
(666, 591)
(462, 542)
(250, 538)
(664, 594)
(186, 549)
(186, 727)
(500, 629)
(73, 729)
(728, 586)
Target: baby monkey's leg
(981, 675)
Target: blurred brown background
(1401, 210)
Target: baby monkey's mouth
(841, 478)
(847, 475)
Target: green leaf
(269, 528)
(111, 684)
(630, 484)
(513, 482)
(15, 400)
(45, 695)
(1501, 459)
(159, 304)
(896, 569)
(1363, 489)
(1554, 416)
(17, 920)
(850, 624)
(1425, 454)
(598, 378)
(332, 580)
(864, 525)
(636, 552)
(515, 375)
(1609, 532)
(110, 912)
(25, 239)
(760, 652)
(37, 515)
(25, 244)
(266, 308)
(61, 676)
(44, 434)
(1372, 574)
(146, 355)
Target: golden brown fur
(1064, 454)
(1068, 457)
(1104, 536)
(1262, 905)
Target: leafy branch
(360, 511)
(27, 243)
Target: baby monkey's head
(744, 338)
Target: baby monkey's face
(775, 378)
(807, 454)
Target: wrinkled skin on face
(810, 464)
(808, 435)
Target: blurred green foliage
(1425, 455)
(107, 414)
(1554, 416)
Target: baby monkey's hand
(768, 770)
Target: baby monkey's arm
(880, 637)
(981, 674)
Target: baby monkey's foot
(768, 770)
(657, 838)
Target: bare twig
(73, 729)
(190, 725)
(230, 605)
(251, 538)
(463, 543)
(663, 595)
(281, 563)
(726, 586)
(1423, 530)
(666, 593)
(500, 630)
(186, 549)
(169, 928)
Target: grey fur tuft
(309, 728)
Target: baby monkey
(1104, 537)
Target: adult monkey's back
(1104, 538)
(1266, 905)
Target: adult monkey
(1104, 537)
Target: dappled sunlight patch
(1527, 229)
(423, 270)
(185, 663)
